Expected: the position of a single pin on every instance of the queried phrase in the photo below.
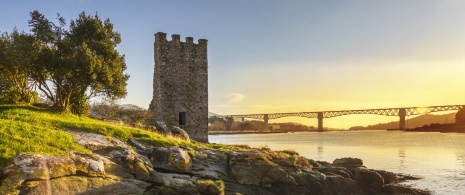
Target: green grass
(27, 129)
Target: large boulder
(349, 163)
(171, 159)
(162, 128)
(180, 133)
(255, 168)
(369, 179)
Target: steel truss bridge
(401, 112)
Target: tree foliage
(76, 64)
(17, 54)
(460, 117)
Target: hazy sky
(285, 56)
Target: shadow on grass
(6, 107)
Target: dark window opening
(182, 118)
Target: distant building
(180, 84)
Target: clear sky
(298, 55)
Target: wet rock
(171, 159)
(389, 177)
(402, 189)
(369, 179)
(180, 133)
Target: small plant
(210, 187)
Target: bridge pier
(402, 115)
(320, 121)
(265, 119)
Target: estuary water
(439, 158)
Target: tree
(460, 117)
(17, 54)
(228, 122)
(78, 63)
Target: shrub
(210, 187)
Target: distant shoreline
(440, 130)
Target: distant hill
(210, 114)
(411, 123)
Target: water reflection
(320, 151)
(401, 155)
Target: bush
(210, 187)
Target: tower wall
(180, 84)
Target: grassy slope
(27, 129)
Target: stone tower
(180, 84)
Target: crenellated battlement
(175, 38)
(180, 84)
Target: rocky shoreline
(118, 167)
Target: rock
(140, 166)
(341, 171)
(210, 163)
(140, 148)
(402, 189)
(254, 168)
(349, 163)
(369, 179)
(389, 177)
(171, 159)
(162, 129)
(180, 133)
(340, 185)
(92, 165)
(184, 184)
(39, 167)
(289, 160)
(85, 185)
(96, 142)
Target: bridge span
(320, 115)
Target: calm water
(437, 157)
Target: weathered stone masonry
(180, 84)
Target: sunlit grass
(27, 129)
